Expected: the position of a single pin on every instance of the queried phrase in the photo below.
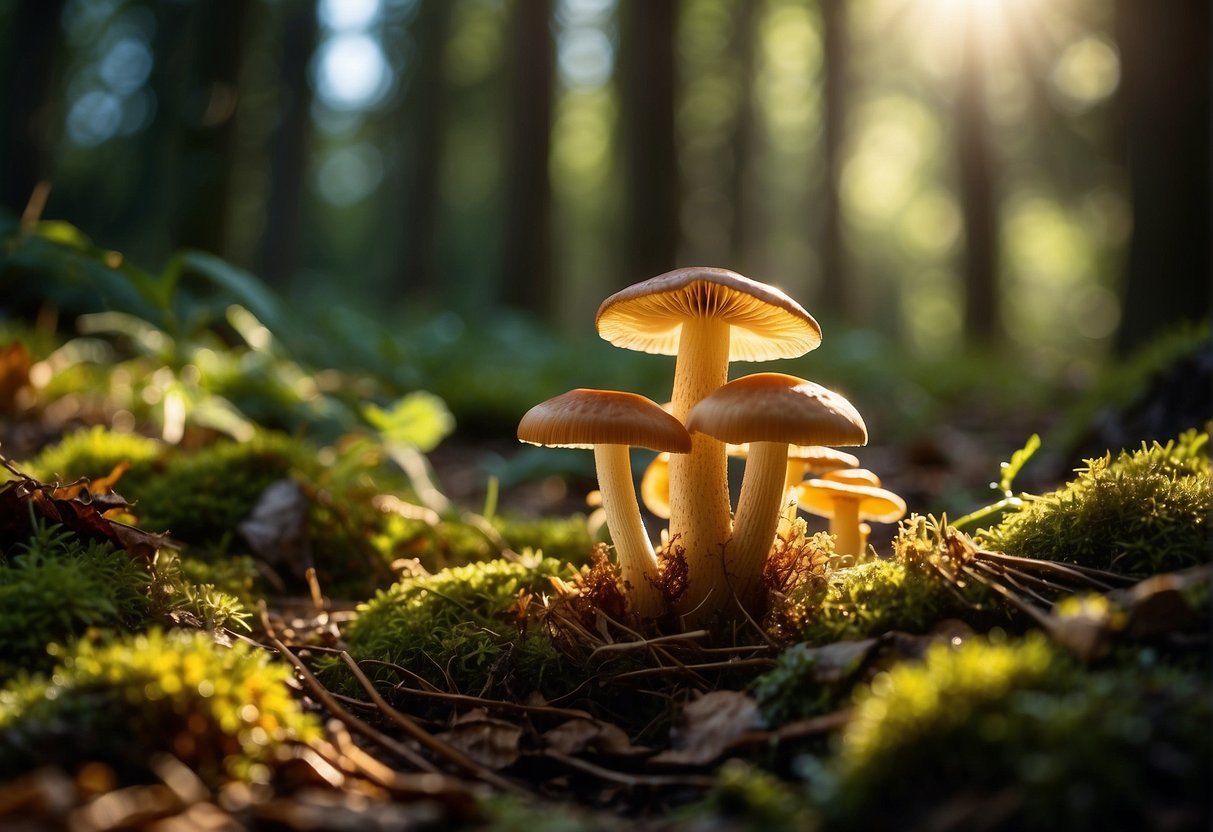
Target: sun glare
(992, 23)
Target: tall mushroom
(707, 317)
(769, 411)
(846, 498)
(610, 422)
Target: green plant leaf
(419, 419)
(1018, 459)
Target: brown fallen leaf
(14, 374)
(580, 735)
(494, 743)
(709, 727)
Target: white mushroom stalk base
(699, 487)
(758, 511)
(844, 525)
(637, 562)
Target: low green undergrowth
(1137, 512)
(225, 712)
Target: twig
(349, 719)
(643, 644)
(657, 780)
(424, 738)
(725, 665)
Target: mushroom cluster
(706, 317)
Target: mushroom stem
(637, 563)
(758, 512)
(699, 488)
(844, 525)
(793, 475)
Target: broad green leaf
(419, 419)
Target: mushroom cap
(766, 323)
(819, 496)
(775, 407)
(584, 418)
(816, 458)
(853, 476)
(655, 486)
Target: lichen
(1139, 513)
(225, 712)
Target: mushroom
(610, 422)
(769, 411)
(802, 461)
(707, 317)
(846, 498)
(655, 486)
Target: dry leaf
(14, 374)
(494, 743)
(709, 727)
(579, 735)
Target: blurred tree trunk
(977, 197)
(526, 276)
(423, 115)
(278, 253)
(27, 63)
(837, 295)
(745, 18)
(217, 33)
(647, 76)
(1165, 102)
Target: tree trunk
(1165, 103)
(278, 253)
(646, 50)
(423, 119)
(218, 29)
(28, 64)
(526, 269)
(745, 17)
(837, 295)
(977, 197)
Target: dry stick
(1075, 571)
(349, 719)
(643, 644)
(1019, 580)
(625, 778)
(727, 665)
(424, 738)
(1022, 605)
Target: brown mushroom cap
(819, 496)
(583, 418)
(766, 323)
(775, 407)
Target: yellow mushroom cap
(775, 407)
(853, 476)
(766, 323)
(583, 418)
(816, 458)
(819, 496)
(655, 486)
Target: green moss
(799, 686)
(564, 538)
(223, 711)
(94, 453)
(1021, 730)
(870, 599)
(747, 798)
(201, 497)
(1144, 512)
(55, 587)
(457, 622)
